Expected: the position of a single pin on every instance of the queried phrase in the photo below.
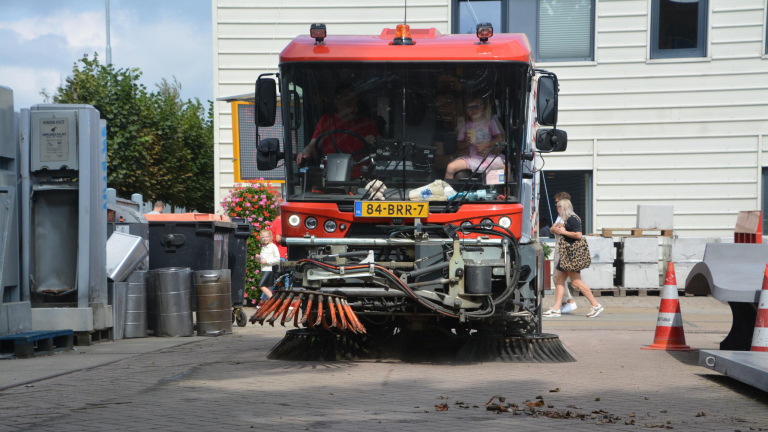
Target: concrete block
(19, 317)
(655, 216)
(75, 319)
(4, 320)
(687, 249)
(598, 276)
(641, 275)
(682, 270)
(641, 250)
(601, 249)
(102, 316)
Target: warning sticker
(54, 139)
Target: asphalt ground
(226, 383)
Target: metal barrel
(136, 314)
(173, 301)
(214, 302)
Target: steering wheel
(367, 147)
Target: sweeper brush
(317, 345)
(312, 309)
(488, 347)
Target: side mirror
(551, 140)
(546, 100)
(266, 102)
(268, 154)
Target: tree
(157, 144)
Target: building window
(565, 30)
(678, 28)
(578, 184)
(471, 13)
(558, 30)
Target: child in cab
(478, 134)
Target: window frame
(456, 5)
(701, 38)
(505, 23)
(568, 59)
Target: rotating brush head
(541, 348)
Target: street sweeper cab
(411, 183)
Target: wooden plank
(636, 232)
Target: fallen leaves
(701, 414)
(555, 390)
(442, 407)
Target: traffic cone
(760, 336)
(669, 325)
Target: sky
(40, 41)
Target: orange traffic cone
(669, 325)
(760, 336)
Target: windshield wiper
(467, 181)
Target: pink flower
(253, 301)
(261, 219)
(256, 271)
(245, 295)
(247, 204)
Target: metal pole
(109, 46)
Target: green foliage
(547, 250)
(258, 204)
(157, 144)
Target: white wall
(249, 35)
(687, 132)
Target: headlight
(310, 223)
(505, 221)
(466, 224)
(486, 223)
(330, 226)
(294, 220)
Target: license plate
(393, 209)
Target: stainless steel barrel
(136, 315)
(214, 302)
(173, 301)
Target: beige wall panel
(681, 203)
(737, 49)
(692, 144)
(227, 165)
(643, 69)
(621, 39)
(332, 16)
(572, 162)
(651, 129)
(250, 44)
(227, 180)
(225, 120)
(736, 33)
(737, 17)
(622, 23)
(683, 161)
(225, 108)
(606, 9)
(688, 114)
(246, 61)
(673, 189)
(715, 99)
(562, 163)
(621, 53)
(704, 174)
(654, 84)
(225, 138)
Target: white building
(664, 101)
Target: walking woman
(571, 233)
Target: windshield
(404, 131)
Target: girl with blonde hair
(571, 231)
